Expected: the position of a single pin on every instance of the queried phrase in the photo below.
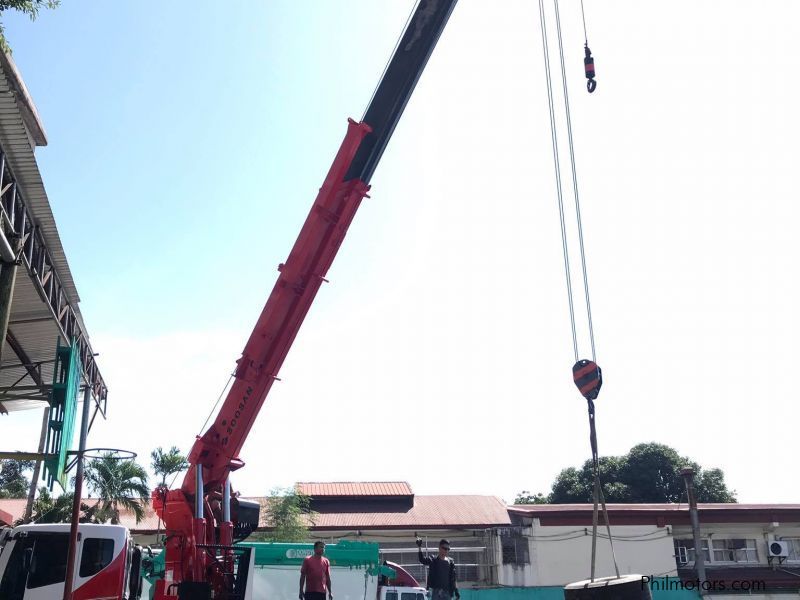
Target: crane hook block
(588, 377)
(588, 67)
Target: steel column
(37, 469)
(699, 559)
(76, 501)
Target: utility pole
(37, 468)
(699, 559)
(76, 501)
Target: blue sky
(187, 144)
(172, 131)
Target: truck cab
(33, 563)
(391, 592)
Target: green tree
(13, 482)
(27, 7)
(47, 509)
(649, 472)
(525, 497)
(709, 486)
(165, 464)
(117, 483)
(288, 513)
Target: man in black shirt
(441, 572)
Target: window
(49, 564)
(391, 595)
(738, 550)
(684, 549)
(97, 555)
(794, 549)
(515, 548)
(410, 596)
(12, 587)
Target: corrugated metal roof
(13, 509)
(354, 488)
(32, 322)
(15, 142)
(428, 511)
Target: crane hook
(588, 66)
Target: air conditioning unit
(778, 549)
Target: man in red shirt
(315, 574)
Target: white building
(656, 540)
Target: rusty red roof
(16, 509)
(431, 512)
(11, 509)
(354, 488)
(6, 518)
(427, 512)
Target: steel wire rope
(575, 180)
(598, 495)
(557, 165)
(208, 418)
(583, 17)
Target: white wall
(761, 532)
(561, 555)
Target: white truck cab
(33, 563)
(390, 592)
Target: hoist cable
(557, 165)
(575, 180)
(582, 369)
(583, 16)
(597, 495)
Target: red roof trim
(659, 514)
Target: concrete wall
(557, 593)
(763, 533)
(561, 555)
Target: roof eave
(30, 116)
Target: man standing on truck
(315, 575)
(441, 572)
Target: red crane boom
(198, 517)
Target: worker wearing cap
(315, 575)
(441, 572)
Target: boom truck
(203, 520)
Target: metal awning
(45, 302)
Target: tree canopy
(118, 483)
(27, 7)
(288, 511)
(49, 509)
(167, 463)
(13, 482)
(649, 472)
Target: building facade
(532, 551)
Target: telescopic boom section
(299, 280)
(199, 530)
(316, 246)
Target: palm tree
(118, 483)
(167, 463)
(47, 509)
